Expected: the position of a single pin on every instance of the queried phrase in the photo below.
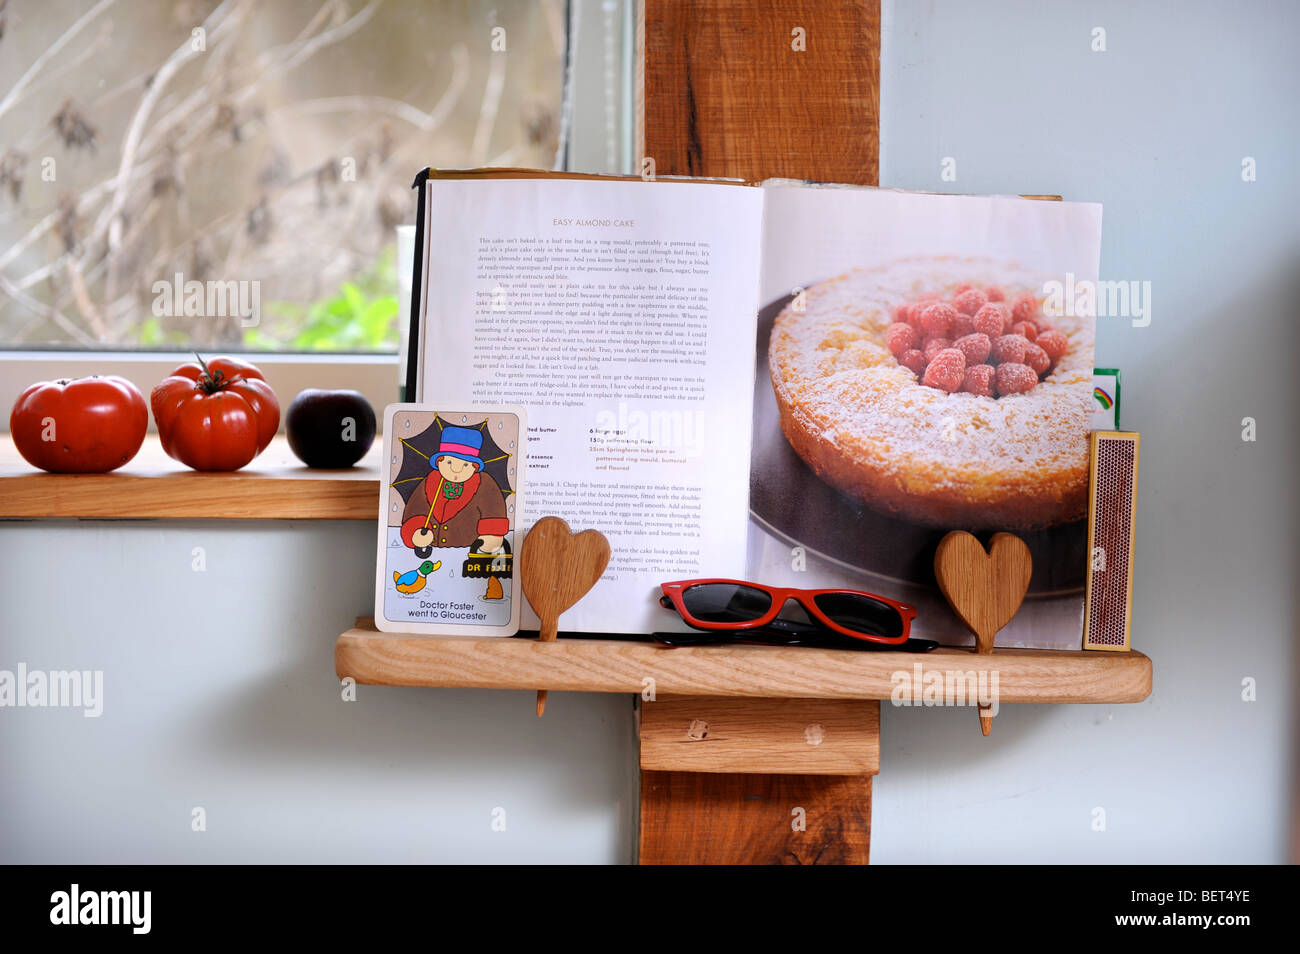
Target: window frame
(376, 375)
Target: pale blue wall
(219, 692)
(1155, 128)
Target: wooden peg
(984, 588)
(557, 568)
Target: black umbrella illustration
(418, 453)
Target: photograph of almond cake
(939, 390)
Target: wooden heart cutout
(558, 567)
(985, 589)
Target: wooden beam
(752, 91)
(778, 736)
(689, 818)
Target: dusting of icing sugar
(832, 360)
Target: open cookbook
(804, 386)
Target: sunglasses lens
(861, 614)
(725, 602)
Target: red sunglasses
(734, 605)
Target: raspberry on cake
(987, 429)
(1009, 349)
(990, 320)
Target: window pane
(230, 175)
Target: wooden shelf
(274, 486)
(769, 672)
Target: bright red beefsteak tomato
(85, 426)
(215, 415)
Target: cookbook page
(621, 315)
(924, 364)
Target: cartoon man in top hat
(458, 503)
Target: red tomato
(215, 415)
(87, 426)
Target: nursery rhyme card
(449, 520)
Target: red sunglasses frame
(780, 596)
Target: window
(230, 175)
